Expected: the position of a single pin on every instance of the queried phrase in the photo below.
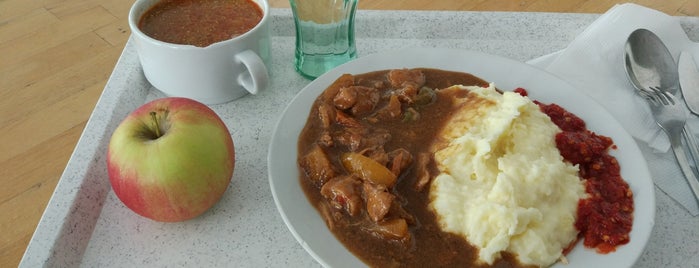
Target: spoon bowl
(649, 63)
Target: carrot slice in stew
(368, 169)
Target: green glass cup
(324, 35)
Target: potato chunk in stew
(368, 169)
(317, 166)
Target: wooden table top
(56, 57)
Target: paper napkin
(594, 63)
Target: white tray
(86, 225)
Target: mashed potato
(503, 184)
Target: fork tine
(648, 96)
(665, 97)
(658, 94)
(651, 96)
(671, 98)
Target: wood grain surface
(56, 56)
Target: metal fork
(689, 137)
(671, 116)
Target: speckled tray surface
(86, 225)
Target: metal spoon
(649, 64)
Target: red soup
(199, 22)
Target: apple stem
(154, 116)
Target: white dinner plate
(310, 230)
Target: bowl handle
(256, 76)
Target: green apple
(171, 159)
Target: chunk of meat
(358, 100)
(359, 138)
(326, 139)
(347, 121)
(392, 109)
(317, 166)
(352, 134)
(401, 77)
(378, 201)
(407, 82)
(407, 93)
(379, 85)
(378, 137)
(367, 99)
(400, 160)
(345, 98)
(326, 114)
(349, 138)
(342, 191)
(422, 171)
(345, 80)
